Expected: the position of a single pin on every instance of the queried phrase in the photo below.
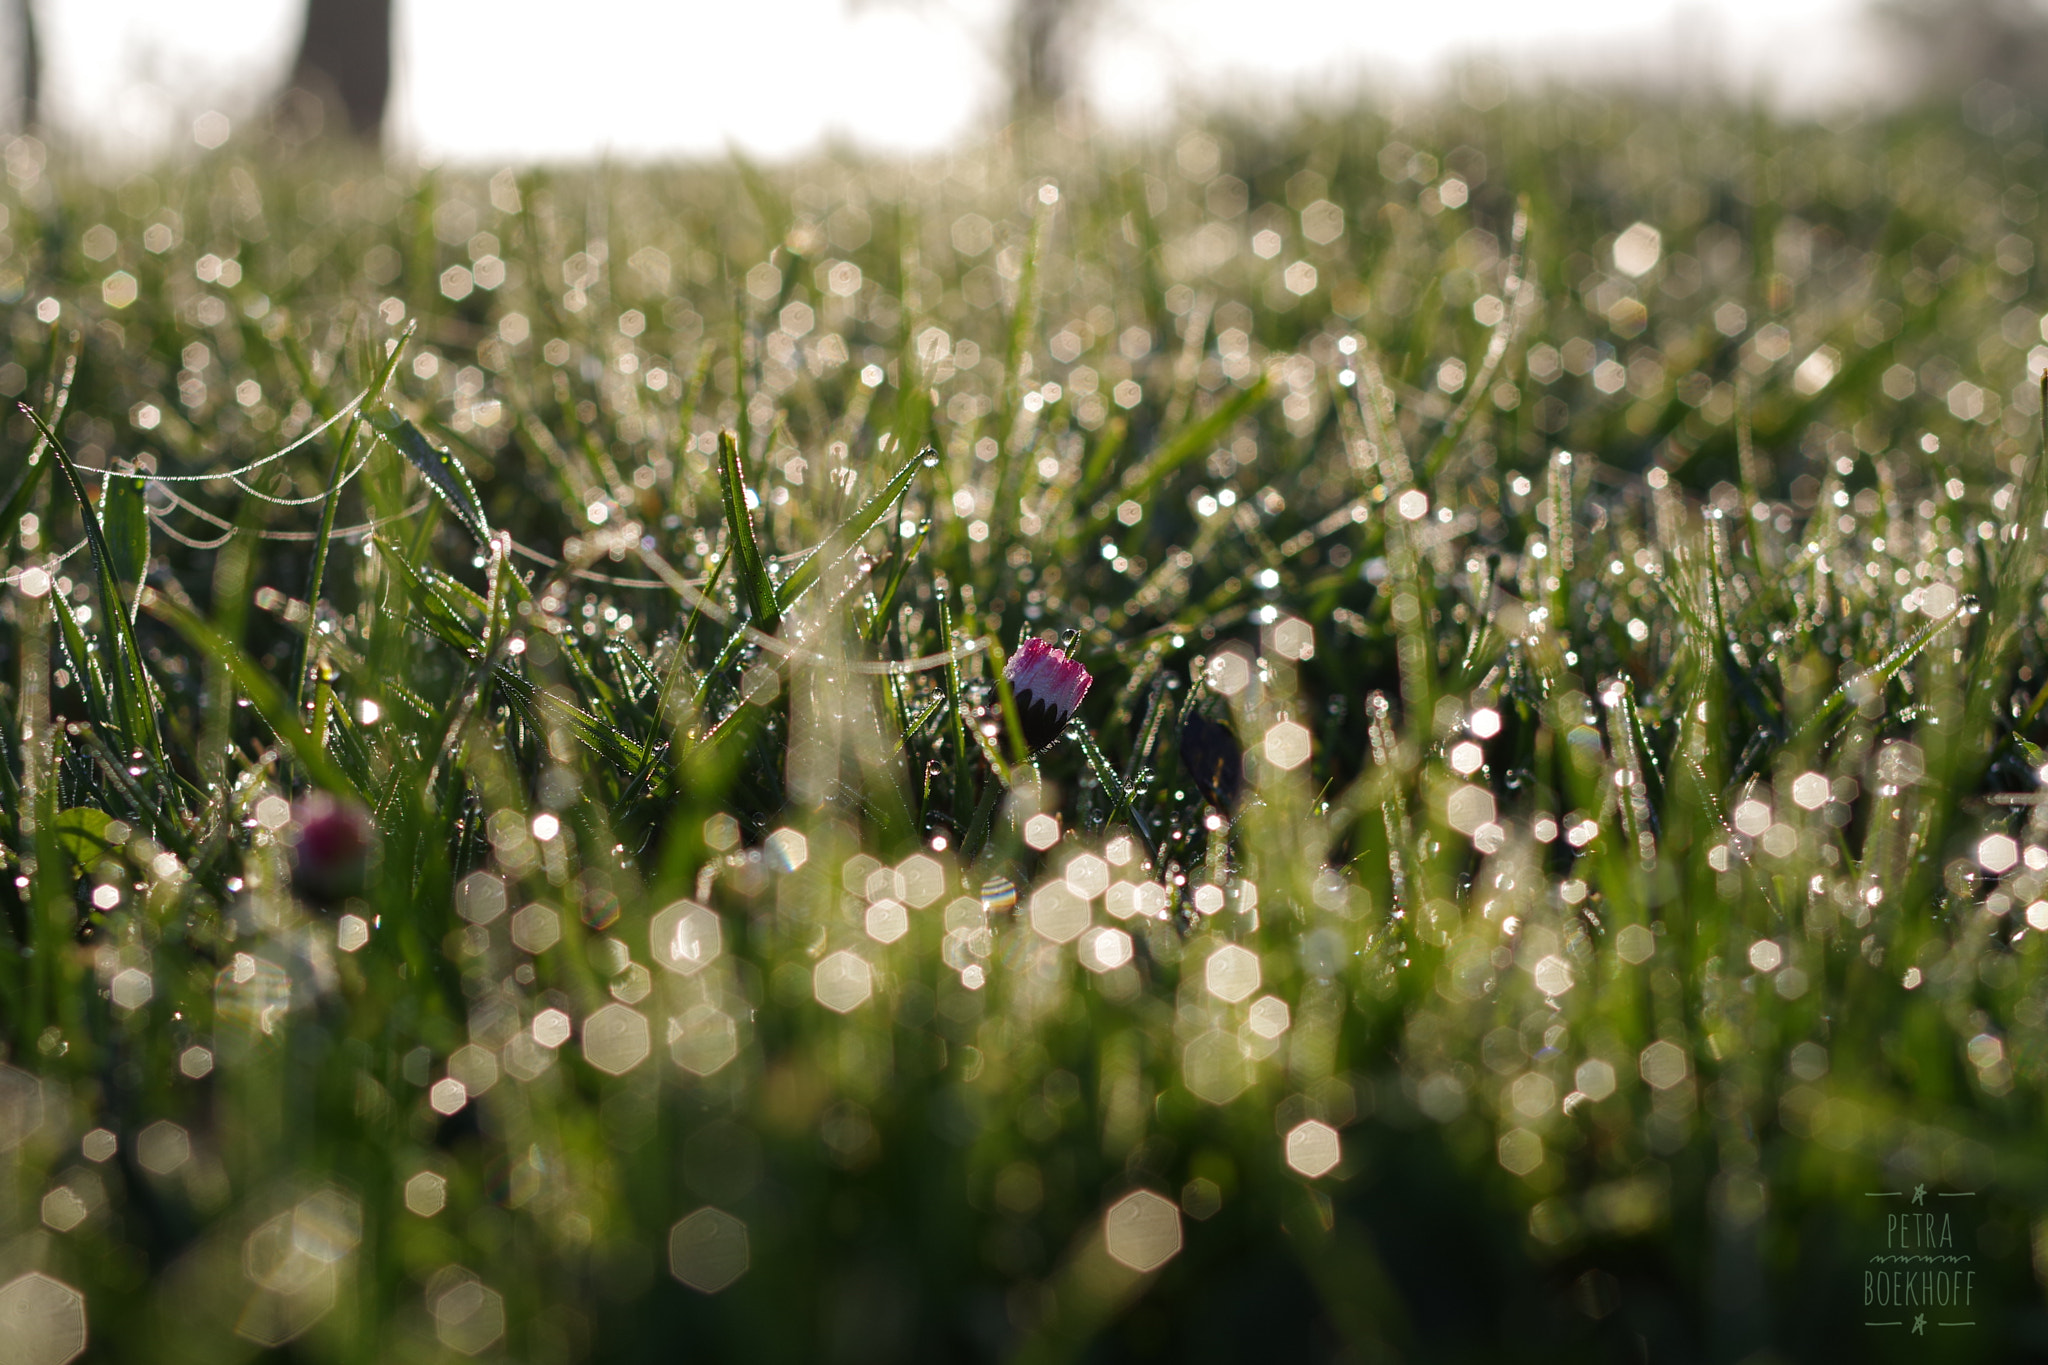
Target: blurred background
(534, 80)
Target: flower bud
(1048, 687)
(331, 842)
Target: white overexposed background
(484, 80)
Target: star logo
(1919, 1324)
(1919, 1194)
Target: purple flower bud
(331, 842)
(1048, 687)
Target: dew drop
(998, 896)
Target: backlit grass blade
(124, 517)
(847, 538)
(132, 693)
(444, 473)
(263, 693)
(758, 588)
(316, 579)
(59, 399)
(1197, 438)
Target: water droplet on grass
(998, 896)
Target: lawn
(520, 841)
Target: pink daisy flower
(331, 843)
(1048, 686)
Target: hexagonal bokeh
(476, 1067)
(923, 879)
(1469, 807)
(1663, 1064)
(685, 937)
(21, 1106)
(1269, 1016)
(468, 1314)
(1142, 1230)
(1213, 1067)
(1520, 1151)
(1810, 791)
(1287, 745)
(615, 1039)
(1634, 944)
(131, 989)
(1314, 1148)
(1057, 913)
(708, 1250)
(273, 1260)
(1042, 831)
(787, 849)
(42, 1321)
(162, 1147)
(524, 1059)
(1104, 950)
(887, 920)
(842, 982)
(426, 1194)
(328, 1225)
(62, 1209)
(702, 1040)
(552, 1028)
(1232, 973)
(537, 928)
(1087, 876)
(480, 898)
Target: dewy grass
(1618, 920)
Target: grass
(1553, 829)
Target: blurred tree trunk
(1955, 44)
(1040, 53)
(345, 62)
(30, 74)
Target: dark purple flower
(331, 841)
(1048, 686)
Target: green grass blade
(316, 579)
(1197, 438)
(132, 692)
(847, 538)
(758, 588)
(444, 473)
(124, 517)
(262, 692)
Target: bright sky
(484, 80)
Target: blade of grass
(316, 579)
(57, 398)
(744, 549)
(263, 694)
(847, 538)
(133, 694)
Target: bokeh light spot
(842, 982)
(1231, 973)
(1142, 1230)
(708, 1250)
(615, 1039)
(162, 1147)
(42, 1321)
(1314, 1148)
